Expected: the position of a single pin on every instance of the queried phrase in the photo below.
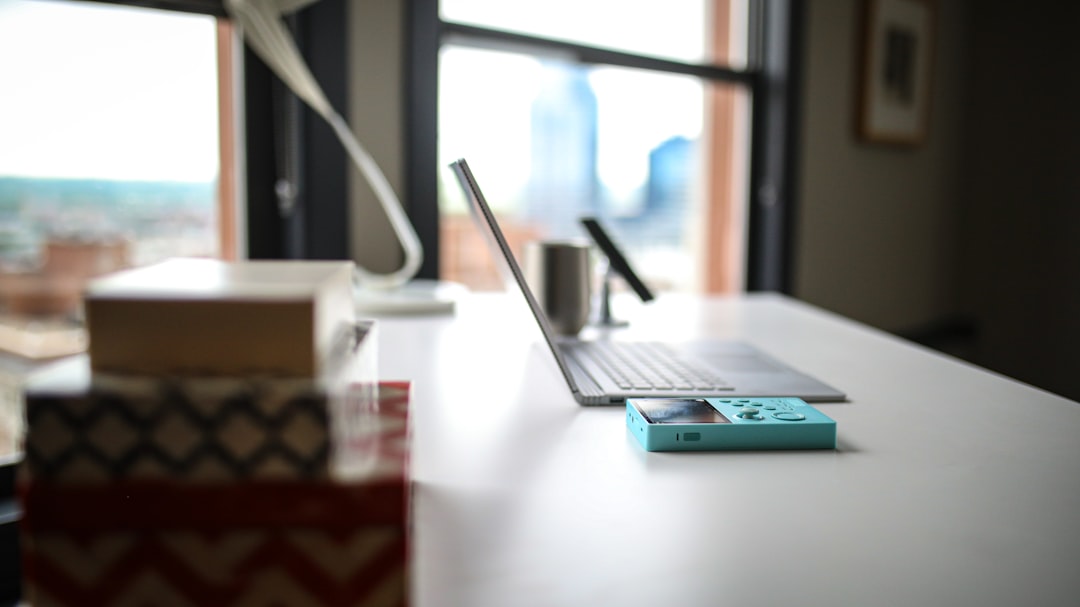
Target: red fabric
(117, 543)
(256, 577)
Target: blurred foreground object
(41, 304)
(207, 316)
(232, 445)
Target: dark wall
(1020, 214)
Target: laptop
(608, 371)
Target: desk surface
(950, 486)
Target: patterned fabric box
(322, 541)
(94, 428)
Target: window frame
(771, 79)
(319, 228)
(206, 7)
(283, 140)
(287, 142)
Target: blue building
(563, 184)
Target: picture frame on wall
(896, 71)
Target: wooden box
(206, 316)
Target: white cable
(261, 24)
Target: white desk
(952, 486)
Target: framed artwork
(895, 72)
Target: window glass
(551, 141)
(673, 29)
(108, 140)
(660, 158)
(109, 145)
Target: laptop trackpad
(733, 357)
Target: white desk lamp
(260, 21)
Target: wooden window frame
(772, 81)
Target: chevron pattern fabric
(243, 430)
(257, 540)
(308, 567)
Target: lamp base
(419, 296)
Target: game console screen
(679, 411)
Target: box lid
(206, 316)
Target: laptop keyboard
(648, 366)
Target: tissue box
(206, 317)
(313, 542)
(85, 427)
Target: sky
(674, 29)
(91, 90)
(486, 117)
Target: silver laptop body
(600, 372)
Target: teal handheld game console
(727, 424)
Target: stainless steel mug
(560, 275)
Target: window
(110, 151)
(631, 136)
(747, 147)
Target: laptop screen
(501, 249)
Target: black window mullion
(266, 230)
(325, 167)
(288, 143)
(774, 150)
(421, 189)
(206, 7)
(470, 35)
